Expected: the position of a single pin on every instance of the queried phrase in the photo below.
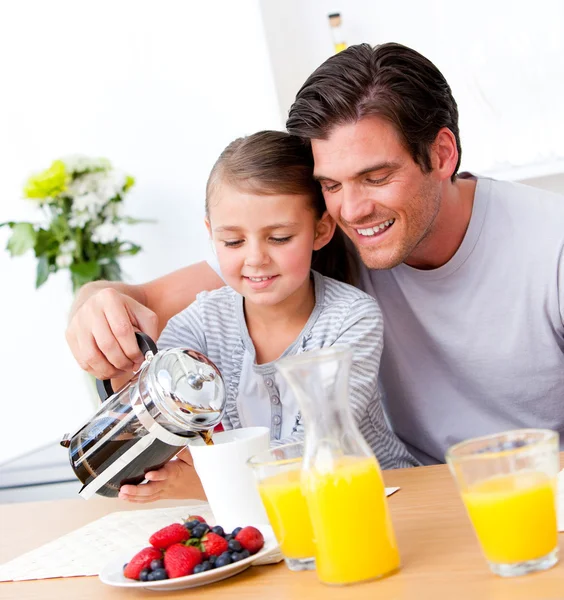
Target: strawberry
(213, 544)
(251, 539)
(195, 518)
(141, 561)
(171, 534)
(180, 560)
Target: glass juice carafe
(341, 477)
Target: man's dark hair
(389, 81)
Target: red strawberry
(251, 539)
(213, 544)
(141, 561)
(171, 534)
(180, 560)
(195, 518)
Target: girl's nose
(256, 257)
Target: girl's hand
(173, 481)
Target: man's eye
(232, 243)
(376, 181)
(282, 240)
(330, 187)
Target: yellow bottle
(514, 516)
(341, 478)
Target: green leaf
(8, 223)
(111, 271)
(46, 243)
(129, 248)
(42, 271)
(83, 272)
(22, 238)
(134, 221)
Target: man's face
(375, 191)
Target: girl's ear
(324, 231)
(208, 227)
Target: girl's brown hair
(273, 162)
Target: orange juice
(351, 492)
(287, 511)
(514, 516)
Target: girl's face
(264, 243)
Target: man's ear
(444, 153)
(324, 231)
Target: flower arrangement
(81, 200)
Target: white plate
(112, 573)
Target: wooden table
(440, 555)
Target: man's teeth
(259, 278)
(377, 229)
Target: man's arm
(106, 314)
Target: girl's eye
(282, 240)
(232, 243)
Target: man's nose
(356, 205)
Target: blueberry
(224, 554)
(234, 546)
(192, 524)
(207, 566)
(158, 563)
(200, 530)
(144, 575)
(223, 560)
(150, 576)
(228, 537)
(159, 574)
(212, 559)
(198, 568)
(245, 553)
(235, 556)
(236, 531)
(125, 565)
(219, 530)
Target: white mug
(227, 480)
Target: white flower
(89, 202)
(79, 220)
(63, 261)
(67, 247)
(105, 233)
(111, 184)
(79, 163)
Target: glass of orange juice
(278, 474)
(508, 483)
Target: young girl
(267, 219)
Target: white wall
(159, 89)
(504, 61)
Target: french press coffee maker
(177, 394)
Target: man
(469, 272)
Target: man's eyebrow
(370, 169)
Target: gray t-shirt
(477, 346)
(256, 394)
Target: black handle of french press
(146, 344)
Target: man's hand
(101, 332)
(173, 481)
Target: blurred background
(160, 89)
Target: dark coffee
(155, 456)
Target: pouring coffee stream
(177, 394)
